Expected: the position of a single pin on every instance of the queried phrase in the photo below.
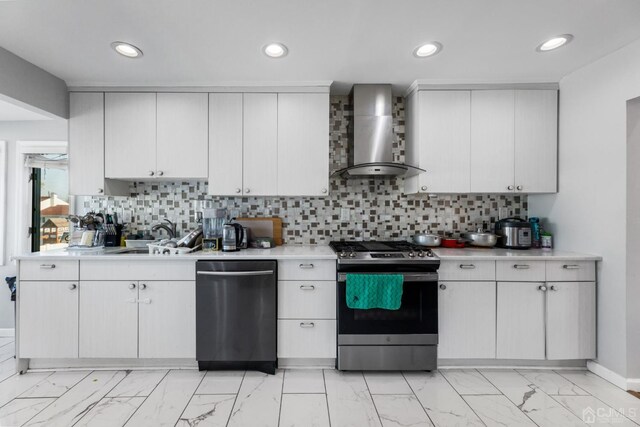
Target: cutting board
(264, 227)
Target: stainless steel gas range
(379, 339)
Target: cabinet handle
(443, 286)
(553, 288)
(151, 173)
(73, 286)
(160, 173)
(238, 190)
(145, 301)
(49, 266)
(306, 266)
(521, 266)
(542, 288)
(132, 286)
(423, 188)
(143, 286)
(519, 188)
(467, 266)
(510, 188)
(307, 287)
(324, 191)
(307, 324)
(100, 190)
(247, 190)
(571, 267)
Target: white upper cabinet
(536, 141)
(182, 135)
(86, 148)
(492, 135)
(482, 141)
(303, 144)
(130, 135)
(149, 135)
(225, 144)
(442, 142)
(260, 148)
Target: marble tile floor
(314, 397)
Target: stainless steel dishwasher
(236, 315)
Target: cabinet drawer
(570, 271)
(299, 299)
(49, 270)
(467, 270)
(307, 338)
(138, 270)
(520, 271)
(307, 269)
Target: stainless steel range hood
(371, 135)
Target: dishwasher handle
(236, 273)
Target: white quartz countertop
(279, 252)
(496, 254)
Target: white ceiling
(211, 42)
(11, 112)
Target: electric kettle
(232, 235)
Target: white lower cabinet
(571, 320)
(167, 319)
(108, 319)
(48, 319)
(308, 338)
(466, 320)
(520, 332)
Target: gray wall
(48, 130)
(32, 87)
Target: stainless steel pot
(480, 238)
(430, 240)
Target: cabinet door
(167, 319)
(536, 141)
(48, 319)
(109, 319)
(520, 321)
(571, 320)
(303, 144)
(492, 141)
(260, 148)
(467, 320)
(130, 135)
(445, 135)
(182, 141)
(225, 144)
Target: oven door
(417, 315)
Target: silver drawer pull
(542, 288)
(571, 266)
(307, 324)
(306, 266)
(50, 266)
(467, 266)
(307, 287)
(521, 266)
(553, 288)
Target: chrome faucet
(170, 228)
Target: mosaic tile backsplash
(359, 209)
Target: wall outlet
(345, 214)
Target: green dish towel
(365, 291)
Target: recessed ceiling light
(126, 49)
(555, 43)
(275, 50)
(427, 49)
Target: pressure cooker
(513, 233)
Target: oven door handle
(407, 277)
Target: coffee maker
(213, 221)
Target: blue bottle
(535, 232)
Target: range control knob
(430, 254)
(421, 254)
(343, 254)
(411, 254)
(352, 255)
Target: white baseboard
(606, 373)
(633, 384)
(8, 332)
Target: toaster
(513, 233)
